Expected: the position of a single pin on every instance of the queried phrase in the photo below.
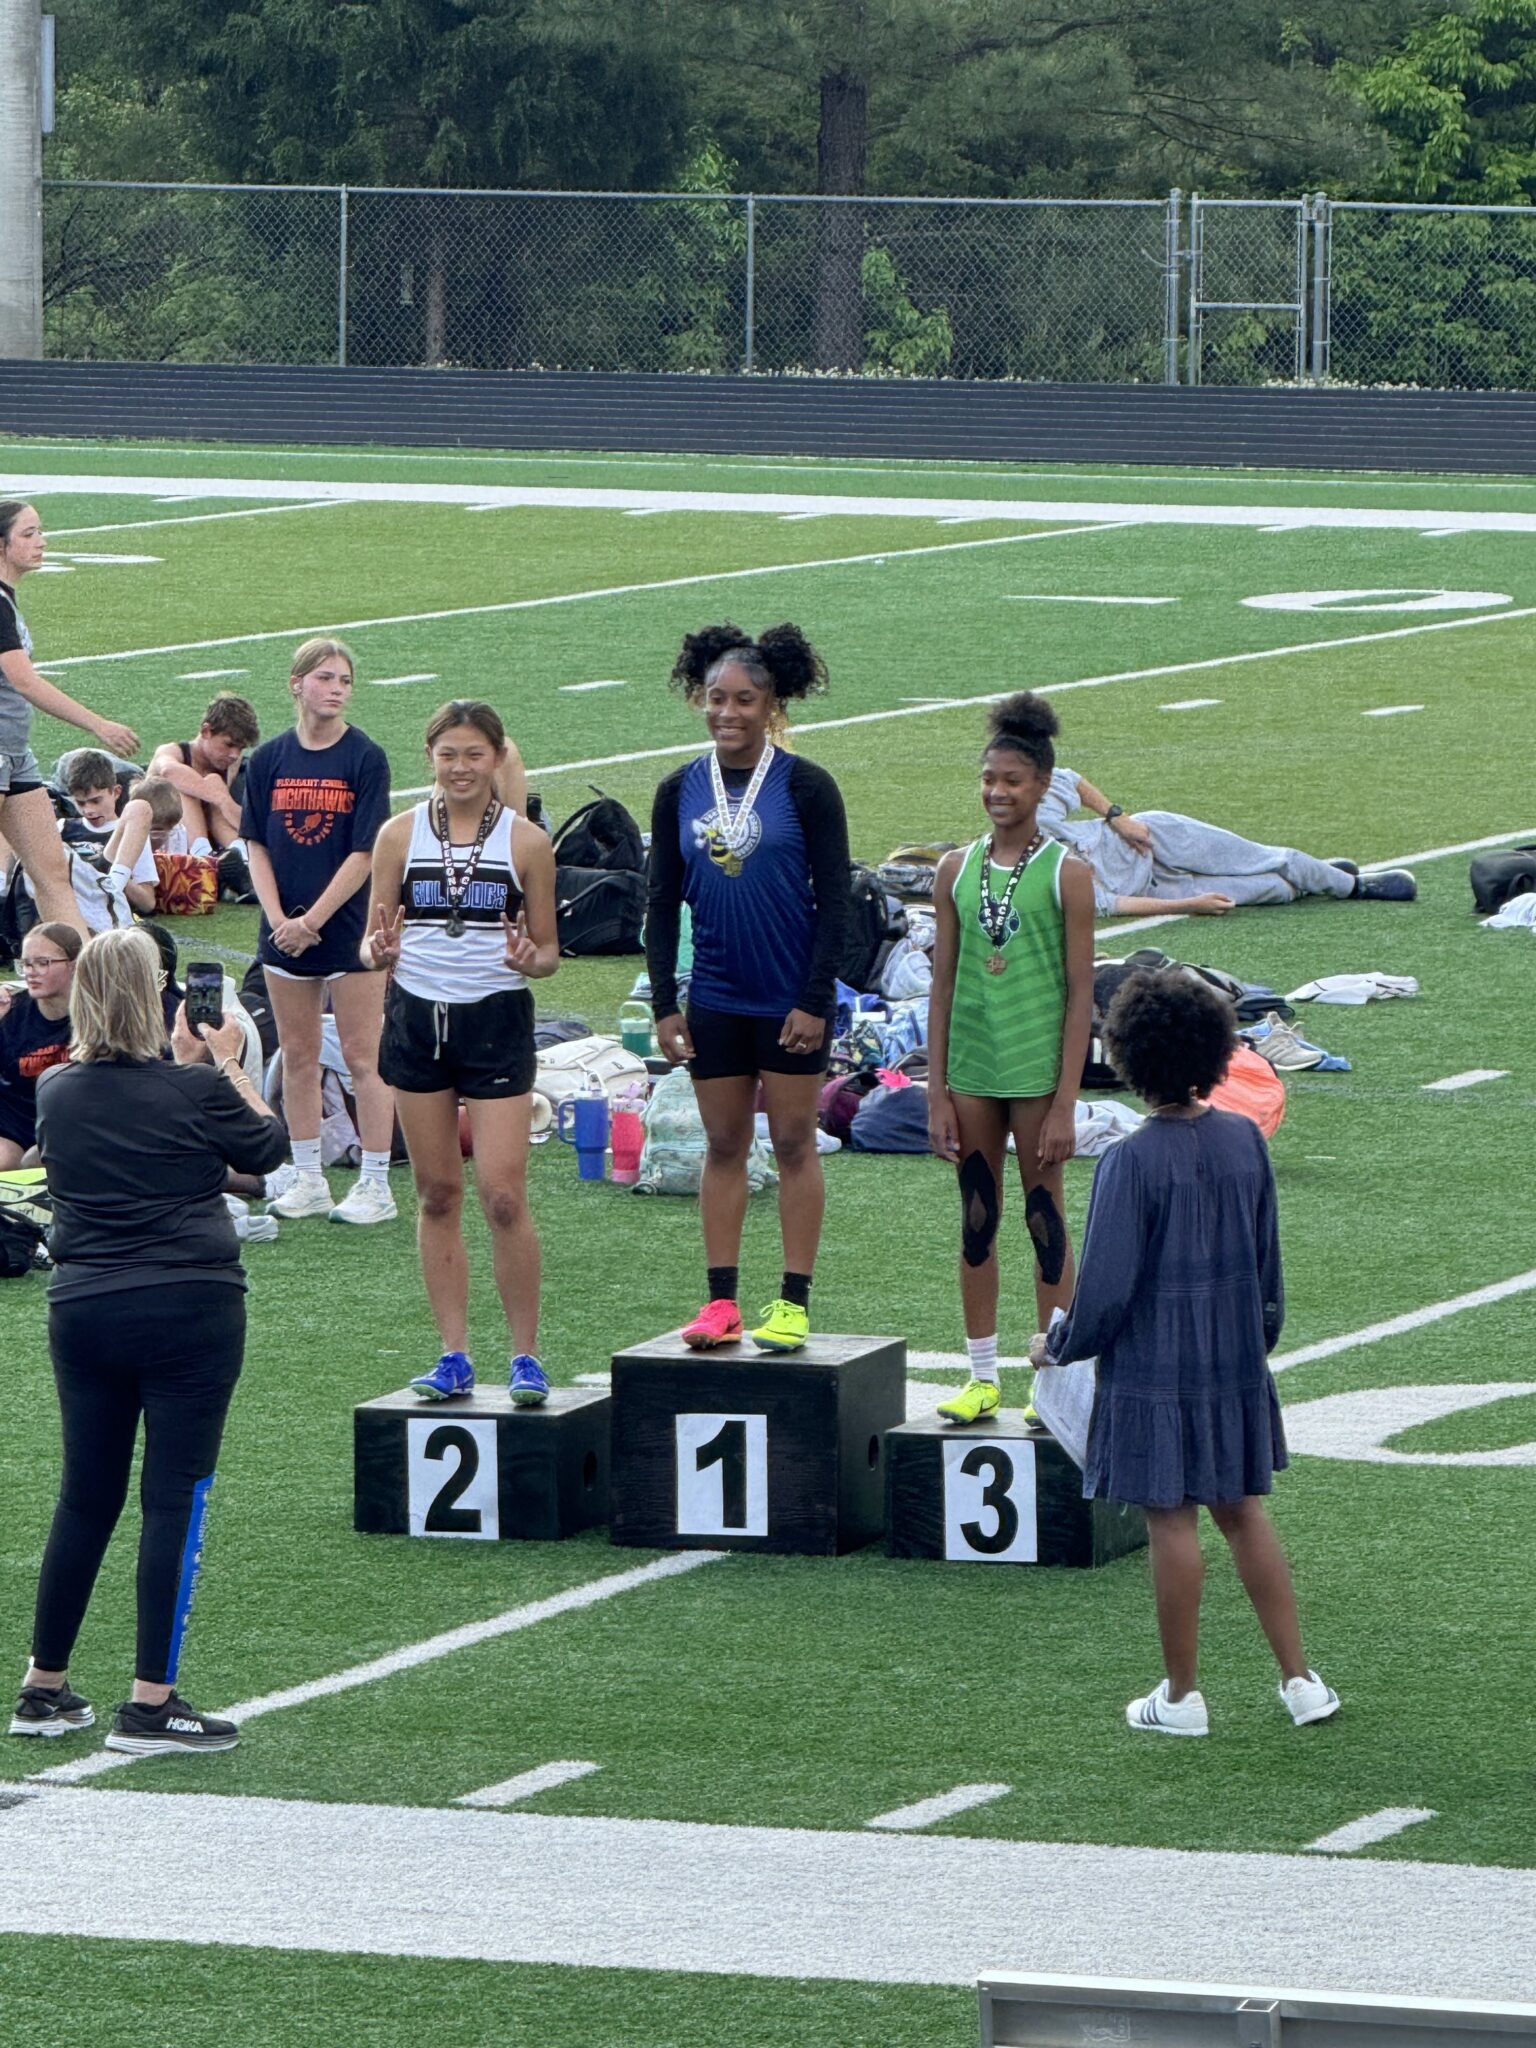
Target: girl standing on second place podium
(464, 912)
(755, 841)
(1008, 1024)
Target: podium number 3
(989, 1502)
(451, 1478)
(722, 1475)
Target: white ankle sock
(201, 845)
(376, 1166)
(306, 1155)
(982, 1352)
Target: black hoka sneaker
(235, 884)
(1395, 885)
(50, 1710)
(142, 1730)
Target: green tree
(1457, 101)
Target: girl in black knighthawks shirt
(463, 911)
(315, 798)
(754, 839)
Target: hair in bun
(1026, 723)
(780, 659)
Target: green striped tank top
(1005, 1029)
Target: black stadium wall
(1223, 427)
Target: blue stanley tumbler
(583, 1122)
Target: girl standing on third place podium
(1008, 1025)
(755, 841)
(463, 910)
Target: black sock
(796, 1288)
(722, 1283)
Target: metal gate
(1248, 268)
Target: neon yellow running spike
(976, 1399)
(785, 1327)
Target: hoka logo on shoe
(180, 1727)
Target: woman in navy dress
(1180, 1298)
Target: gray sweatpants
(1190, 857)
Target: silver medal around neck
(732, 831)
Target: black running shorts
(482, 1051)
(725, 1044)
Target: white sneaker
(367, 1201)
(278, 1183)
(1309, 1699)
(305, 1195)
(1169, 1717)
(256, 1229)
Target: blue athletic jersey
(752, 931)
(311, 807)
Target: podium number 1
(989, 1501)
(722, 1475)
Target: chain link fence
(1102, 291)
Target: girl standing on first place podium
(1008, 1024)
(755, 841)
(464, 912)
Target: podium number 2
(722, 1475)
(451, 1485)
(989, 1502)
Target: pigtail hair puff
(1026, 723)
(781, 660)
(700, 652)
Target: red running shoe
(718, 1322)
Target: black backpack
(599, 910)
(872, 929)
(602, 834)
(1496, 877)
(23, 1245)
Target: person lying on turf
(1180, 1298)
(1156, 861)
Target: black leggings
(171, 1353)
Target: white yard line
(196, 518)
(1401, 1326)
(1472, 1078)
(1370, 1829)
(412, 1655)
(527, 1784)
(1190, 704)
(926, 1813)
(858, 1905)
(528, 604)
(607, 683)
(393, 682)
(210, 675)
(34, 482)
(1391, 710)
(1042, 597)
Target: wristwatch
(1114, 811)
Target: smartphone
(205, 994)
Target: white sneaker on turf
(1169, 1717)
(1309, 1699)
(305, 1195)
(278, 1183)
(367, 1201)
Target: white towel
(1354, 989)
(1519, 910)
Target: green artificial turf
(818, 1693)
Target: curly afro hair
(780, 659)
(1026, 723)
(1169, 1036)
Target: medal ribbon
(995, 911)
(456, 881)
(731, 830)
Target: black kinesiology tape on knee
(980, 1210)
(1044, 1222)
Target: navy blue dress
(1180, 1297)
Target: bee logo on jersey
(729, 858)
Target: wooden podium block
(741, 1449)
(996, 1493)
(480, 1468)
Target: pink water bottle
(626, 1136)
